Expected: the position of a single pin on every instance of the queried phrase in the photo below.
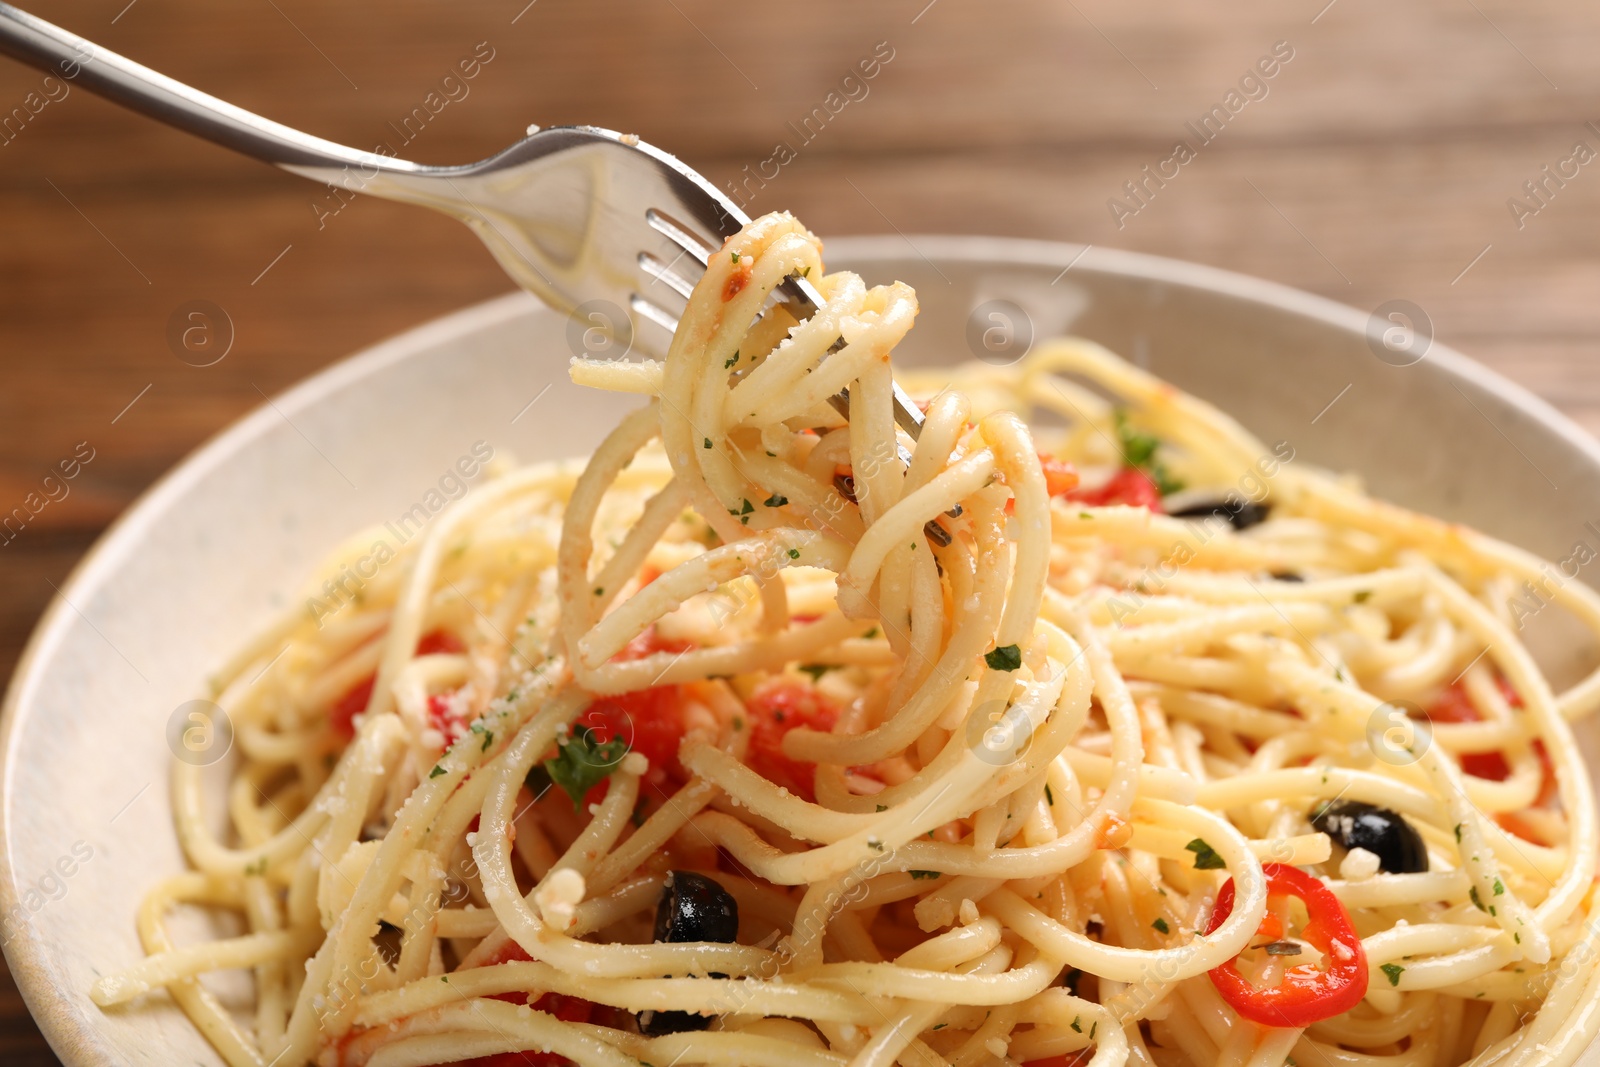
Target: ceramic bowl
(214, 548)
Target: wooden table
(1376, 163)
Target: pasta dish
(1084, 728)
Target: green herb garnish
(1139, 450)
(1205, 857)
(581, 763)
(1004, 658)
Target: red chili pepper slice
(1307, 994)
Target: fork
(591, 221)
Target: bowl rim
(67, 1028)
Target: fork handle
(46, 46)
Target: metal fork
(589, 220)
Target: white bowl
(207, 554)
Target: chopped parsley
(1394, 971)
(923, 874)
(748, 507)
(1075, 1024)
(794, 553)
(1476, 899)
(735, 256)
(730, 361)
(1004, 658)
(1205, 857)
(775, 501)
(258, 867)
(1049, 797)
(707, 443)
(438, 769)
(1139, 450)
(581, 763)
(1362, 596)
(816, 670)
(1499, 888)
(1161, 925)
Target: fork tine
(654, 313)
(663, 272)
(680, 235)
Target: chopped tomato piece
(650, 722)
(510, 952)
(775, 709)
(648, 644)
(342, 715)
(435, 642)
(444, 716)
(1060, 477)
(567, 1009)
(1454, 705)
(355, 701)
(1129, 486)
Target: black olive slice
(695, 908)
(692, 908)
(660, 1023)
(1241, 515)
(1382, 832)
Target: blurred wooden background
(1377, 166)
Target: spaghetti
(1102, 770)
